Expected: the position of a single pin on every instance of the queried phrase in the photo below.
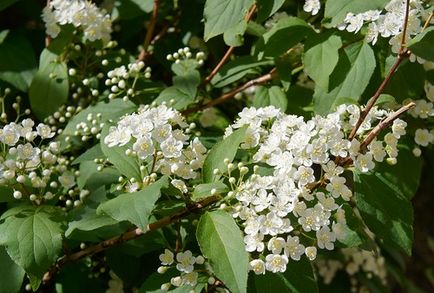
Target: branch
(403, 53)
(230, 49)
(428, 21)
(48, 39)
(150, 31)
(260, 80)
(127, 236)
(384, 124)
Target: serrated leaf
(135, 207)
(386, 210)
(320, 58)
(286, 33)
(49, 89)
(220, 15)
(226, 148)
(423, 44)
(11, 274)
(204, 190)
(32, 237)
(349, 78)
(336, 10)
(111, 110)
(270, 96)
(221, 242)
(297, 278)
(237, 69)
(127, 165)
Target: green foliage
(225, 149)
(135, 207)
(270, 96)
(221, 15)
(336, 10)
(32, 237)
(11, 272)
(220, 241)
(422, 44)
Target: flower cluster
(160, 141)
(291, 205)
(185, 54)
(122, 80)
(354, 260)
(95, 23)
(37, 172)
(184, 262)
(388, 23)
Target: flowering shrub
(243, 146)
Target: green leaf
(385, 99)
(320, 58)
(86, 220)
(286, 33)
(172, 93)
(270, 96)
(10, 272)
(17, 62)
(49, 89)
(32, 237)
(349, 78)
(135, 207)
(127, 165)
(220, 15)
(6, 3)
(336, 10)
(237, 69)
(94, 152)
(386, 210)
(221, 242)
(204, 190)
(234, 35)
(267, 8)
(297, 278)
(111, 110)
(226, 148)
(423, 44)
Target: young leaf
(220, 15)
(204, 190)
(135, 207)
(320, 58)
(226, 148)
(221, 242)
(423, 44)
(297, 278)
(127, 165)
(267, 8)
(234, 35)
(349, 78)
(49, 89)
(32, 237)
(10, 272)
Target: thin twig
(230, 49)
(384, 124)
(127, 236)
(427, 22)
(150, 31)
(223, 98)
(403, 53)
(48, 39)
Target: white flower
(364, 162)
(144, 147)
(117, 137)
(190, 278)
(10, 134)
(423, 137)
(171, 148)
(293, 248)
(276, 244)
(312, 6)
(185, 261)
(325, 238)
(257, 266)
(67, 179)
(377, 150)
(254, 242)
(27, 152)
(398, 127)
(180, 185)
(167, 257)
(276, 263)
(310, 252)
(44, 131)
